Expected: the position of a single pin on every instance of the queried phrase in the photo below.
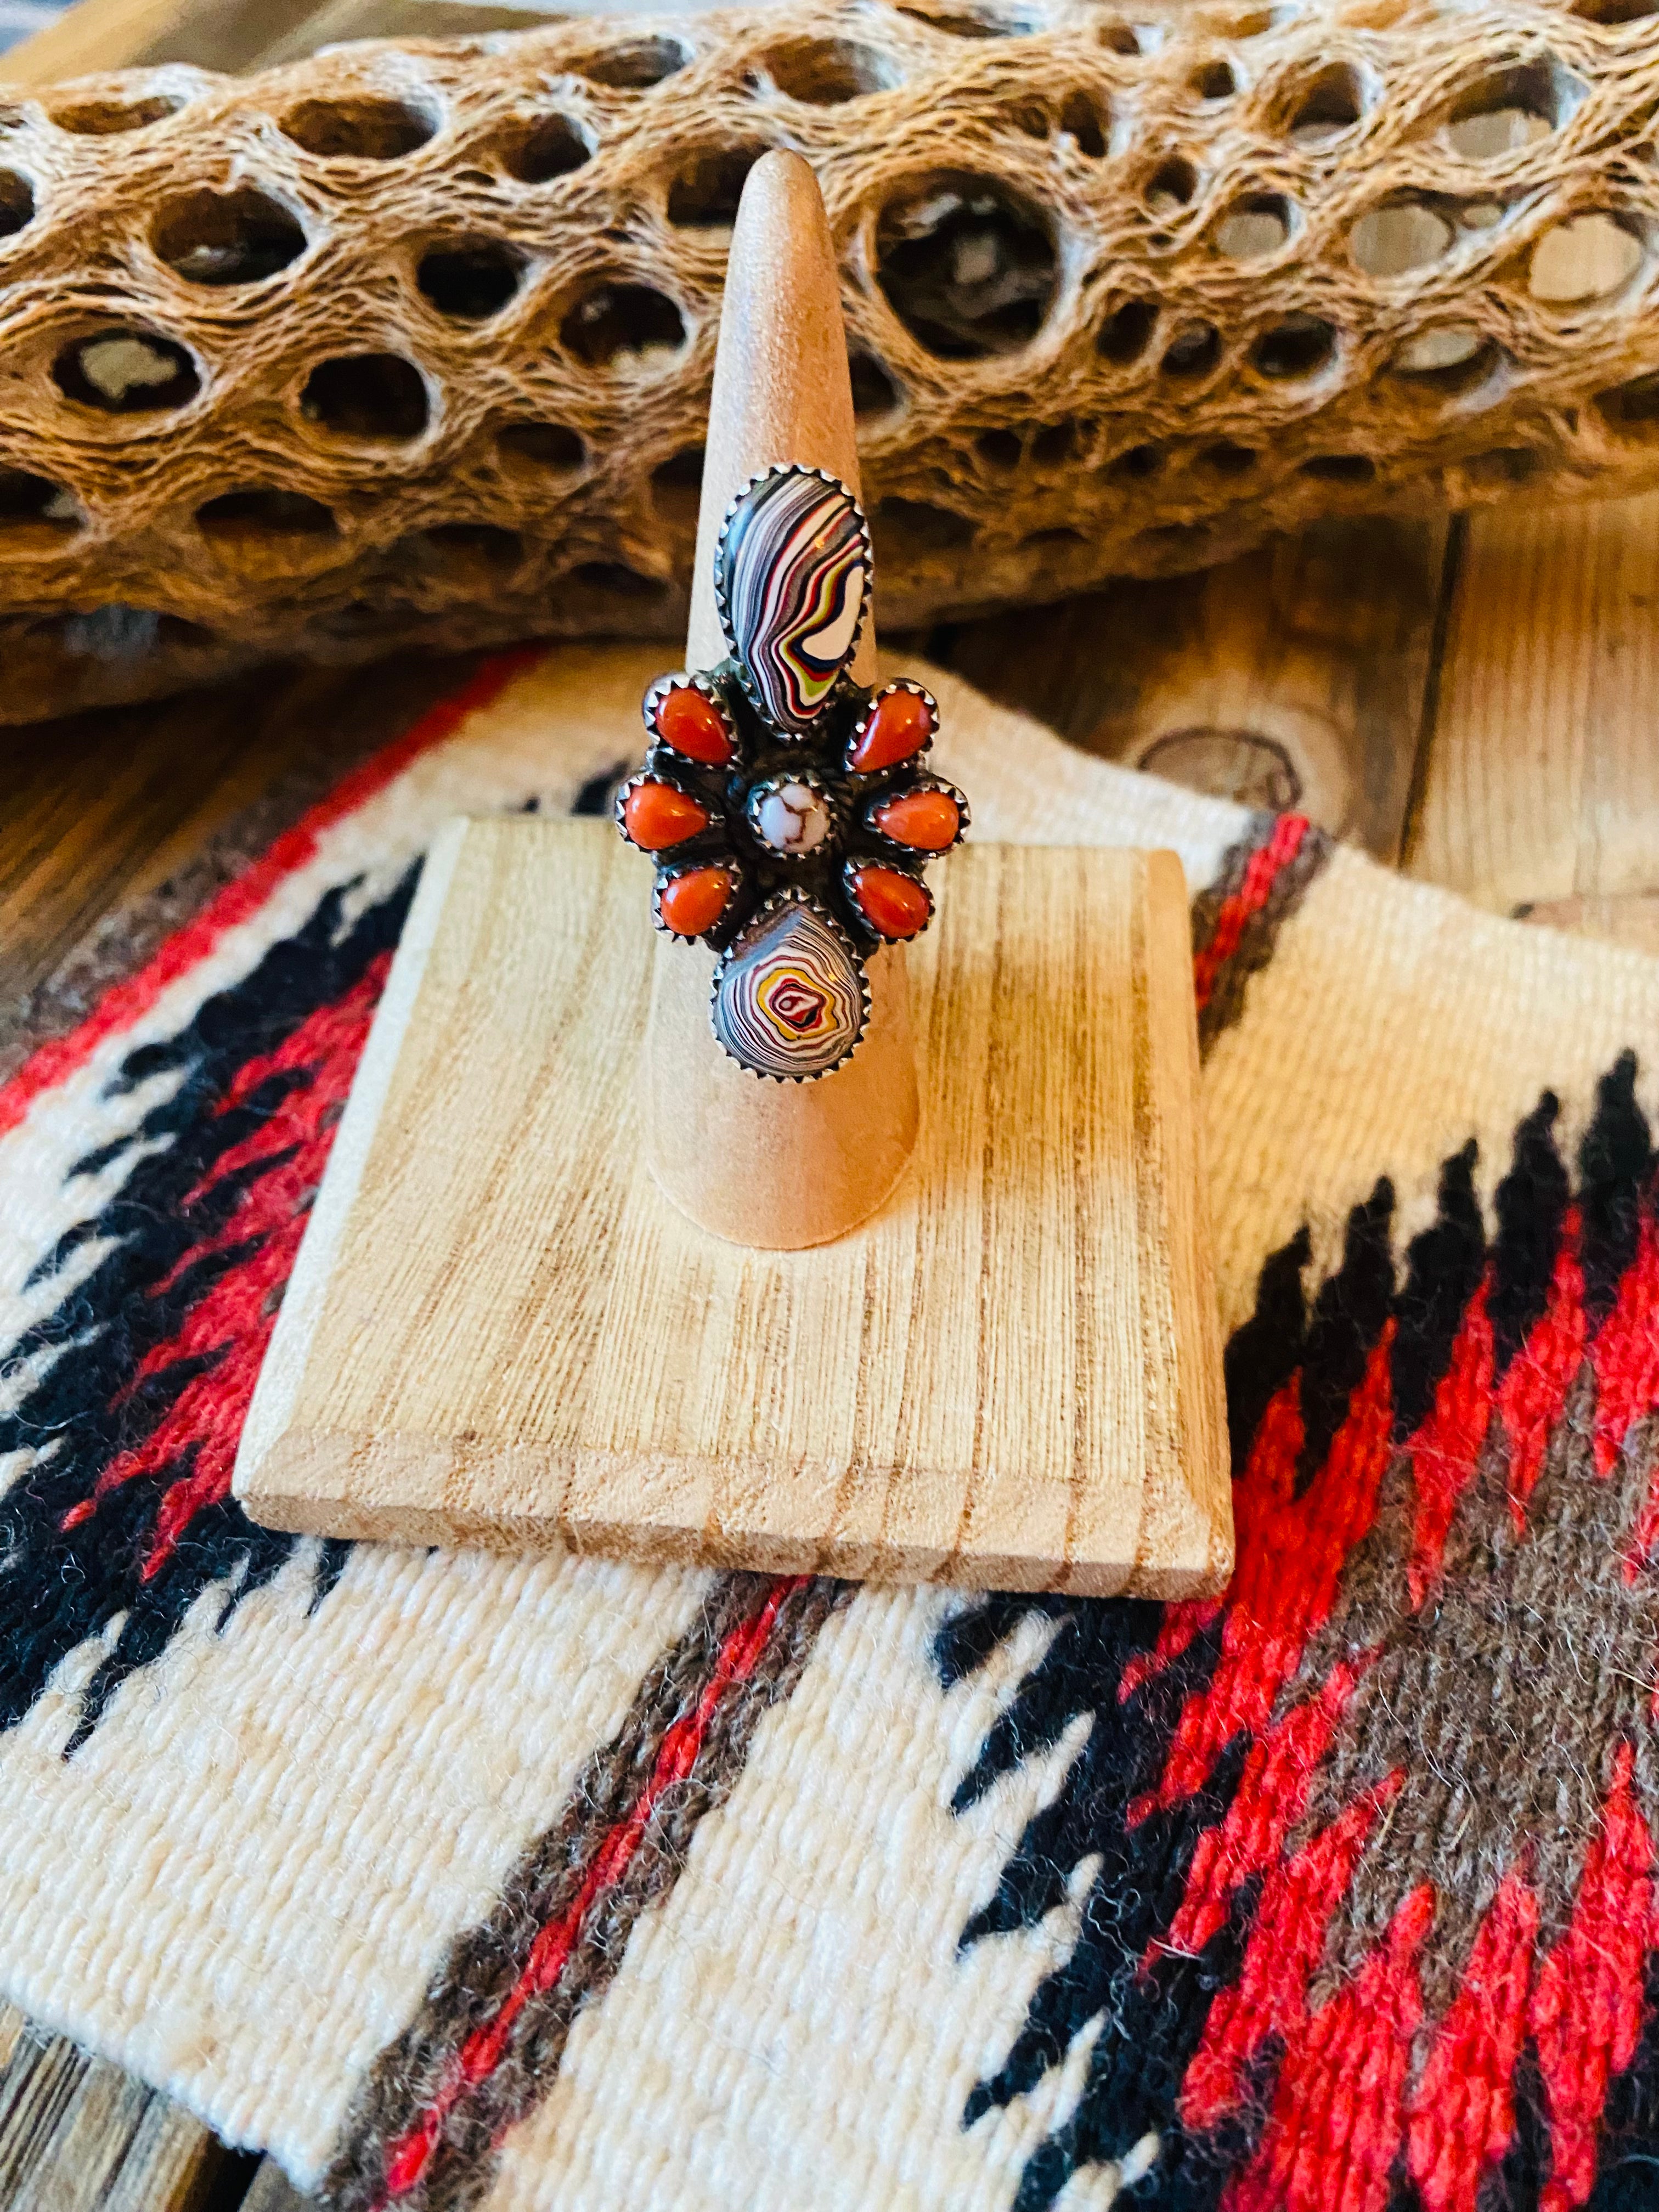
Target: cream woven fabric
(453, 1879)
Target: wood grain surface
(77, 2134)
(1542, 786)
(1292, 679)
(498, 1331)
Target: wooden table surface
(1472, 702)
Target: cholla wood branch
(416, 341)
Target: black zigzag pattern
(60, 1585)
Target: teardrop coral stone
(693, 725)
(893, 904)
(926, 821)
(899, 725)
(695, 901)
(655, 815)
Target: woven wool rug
(456, 1880)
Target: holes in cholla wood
(968, 264)
(1127, 332)
(546, 448)
(704, 195)
(1040, 445)
(16, 203)
(1323, 107)
(264, 511)
(367, 127)
(1299, 346)
(549, 145)
(1087, 122)
(616, 326)
(1613, 12)
(1339, 469)
(124, 372)
(1632, 409)
(468, 556)
(378, 397)
(1254, 226)
(1509, 107)
(1446, 361)
(1194, 351)
(1212, 82)
(635, 66)
(874, 391)
(829, 72)
(33, 510)
(1055, 445)
(906, 530)
(1082, 118)
(106, 118)
(1226, 459)
(677, 488)
(236, 237)
(1136, 464)
(470, 280)
(1401, 235)
(266, 532)
(1171, 185)
(1583, 261)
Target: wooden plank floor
(1474, 703)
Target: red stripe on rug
(1266, 865)
(408, 2158)
(128, 1002)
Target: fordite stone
(694, 900)
(895, 905)
(924, 821)
(791, 572)
(789, 994)
(656, 816)
(690, 721)
(898, 723)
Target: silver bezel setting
(917, 691)
(655, 775)
(915, 790)
(722, 602)
(806, 781)
(666, 876)
(779, 900)
(697, 680)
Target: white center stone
(792, 817)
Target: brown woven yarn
(416, 341)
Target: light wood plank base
(499, 1331)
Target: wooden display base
(499, 1332)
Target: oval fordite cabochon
(790, 995)
(792, 576)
